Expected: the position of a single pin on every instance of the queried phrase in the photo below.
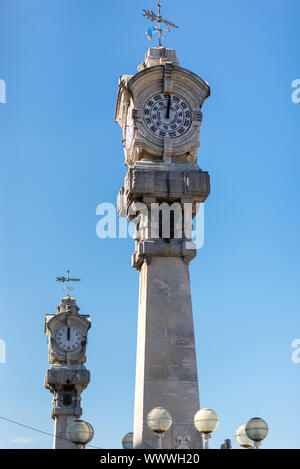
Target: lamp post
(127, 441)
(80, 433)
(159, 420)
(206, 421)
(256, 429)
(242, 439)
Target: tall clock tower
(159, 111)
(67, 377)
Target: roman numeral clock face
(167, 115)
(68, 338)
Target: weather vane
(157, 29)
(68, 279)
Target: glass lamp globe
(127, 441)
(80, 432)
(242, 439)
(206, 420)
(159, 420)
(256, 429)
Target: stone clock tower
(67, 377)
(159, 111)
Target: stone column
(60, 440)
(166, 367)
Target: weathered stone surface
(148, 249)
(170, 316)
(61, 375)
(158, 56)
(166, 358)
(167, 185)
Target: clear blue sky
(61, 155)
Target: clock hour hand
(168, 108)
(68, 333)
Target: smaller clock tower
(67, 377)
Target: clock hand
(168, 108)
(68, 333)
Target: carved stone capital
(147, 249)
(162, 203)
(57, 377)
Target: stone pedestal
(166, 369)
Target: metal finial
(157, 29)
(68, 279)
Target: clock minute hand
(68, 333)
(168, 108)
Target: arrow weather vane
(157, 29)
(68, 279)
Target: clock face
(68, 338)
(167, 115)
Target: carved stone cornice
(163, 185)
(147, 249)
(66, 383)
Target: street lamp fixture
(242, 438)
(159, 420)
(80, 433)
(206, 421)
(127, 441)
(256, 429)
